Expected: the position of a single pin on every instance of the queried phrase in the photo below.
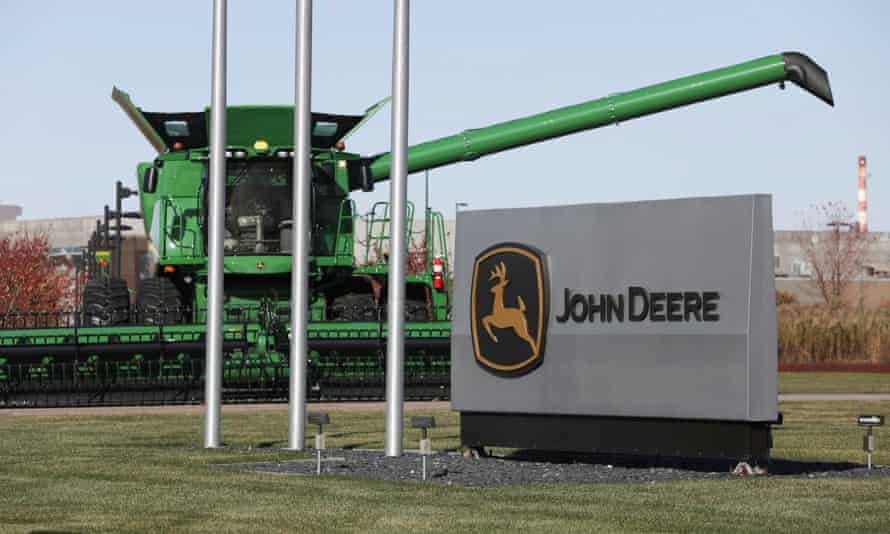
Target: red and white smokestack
(863, 204)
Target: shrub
(820, 334)
(785, 297)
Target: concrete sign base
(735, 440)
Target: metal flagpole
(302, 176)
(217, 192)
(395, 349)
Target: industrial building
(794, 273)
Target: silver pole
(395, 347)
(217, 191)
(299, 283)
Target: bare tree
(835, 255)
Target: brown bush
(823, 334)
(785, 297)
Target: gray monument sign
(633, 316)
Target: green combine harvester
(112, 351)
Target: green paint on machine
(142, 340)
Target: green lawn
(834, 382)
(140, 473)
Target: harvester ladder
(344, 242)
(379, 222)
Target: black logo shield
(509, 308)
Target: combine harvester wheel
(158, 301)
(106, 303)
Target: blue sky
(64, 142)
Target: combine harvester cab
(155, 352)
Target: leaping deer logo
(503, 317)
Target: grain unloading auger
(613, 109)
(150, 347)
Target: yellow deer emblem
(502, 317)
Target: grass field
(810, 382)
(141, 473)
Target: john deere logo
(509, 308)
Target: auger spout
(473, 144)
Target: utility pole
(836, 261)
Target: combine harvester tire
(106, 304)
(158, 301)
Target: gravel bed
(452, 468)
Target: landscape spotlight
(868, 440)
(423, 422)
(319, 419)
